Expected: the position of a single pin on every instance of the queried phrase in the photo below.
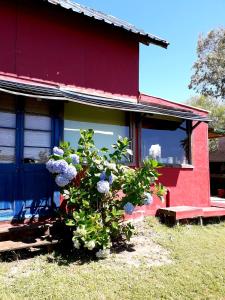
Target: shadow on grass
(68, 255)
(64, 253)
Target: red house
(64, 67)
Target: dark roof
(111, 103)
(64, 94)
(143, 37)
(30, 90)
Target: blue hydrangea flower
(148, 199)
(103, 187)
(75, 159)
(61, 180)
(70, 173)
(58, 151)
(129, 208)
(60, 166)
(50, 165)
(111, 179)
(103, 176)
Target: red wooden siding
(188, 186)
(48, 43)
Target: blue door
(28, 131)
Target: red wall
(45, 42)
(188, 186)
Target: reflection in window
(37, 138)
(36, 155)
(166, 141)
(7, 154)
(7, 134)
(108, 124)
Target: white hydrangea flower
(90, 245)
(76, 244)
(97, 161)
(81, 231)
(110, 166)
(126, 169)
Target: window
(108, 124)
(7, 130)
(166, 140)
(37, 132)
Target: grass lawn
(195, 270)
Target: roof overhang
(143, 37)
(65, 94)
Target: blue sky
(166, 73)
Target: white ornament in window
(155, 151)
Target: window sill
(178, 166)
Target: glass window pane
(165, 140)
(37, 138)
(37, 122)
(107, 124)
(7, 137)
(7, 119)
(7, 155)
(36, 155)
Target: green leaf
(104, 149)
(70, 222)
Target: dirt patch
(23, 268)
(141, 250)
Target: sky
(167, 73)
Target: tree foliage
(216, 110)
(215, 107)
(209, 69)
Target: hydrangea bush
(99, 189)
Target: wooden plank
(213, 212)
(17, 245)
(181, 212)
(220, 204)
(9, 227)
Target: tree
(209, 69)
(215, 107)
(216, 110)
